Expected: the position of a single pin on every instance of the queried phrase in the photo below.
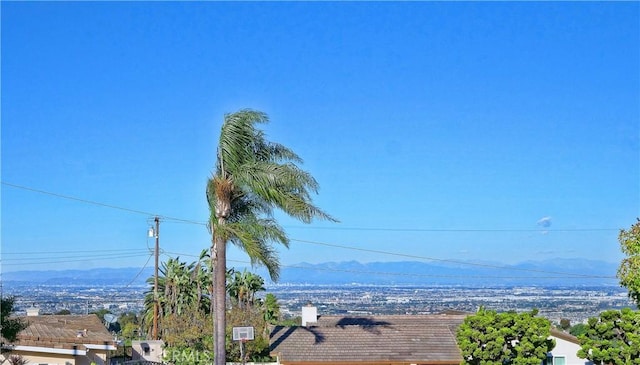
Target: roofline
(49, 350)
(99, 347)
(377, 362)
(564, 336)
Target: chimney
(33, 311)
(309, 314)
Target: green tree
(271, 309)
(10, 326)
(565, 324)
(192, 328)
(629, 269)
(129, 325)
(578, 329)
(130, 331)
(491, 338)
(254, 350)
(613, 338)
(180, 285)
(252, 178)
(243, 286)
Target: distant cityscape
(565, 292)
(574, 303)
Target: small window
(559, 360)
(554, 360)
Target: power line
(62, 258)
(137, 275)
(347, 228)
(22, 263)
(447, 276)
(104, 205)
(334, 228)
(559, 275)
(440, 260)
(461, 230)
(73, 251)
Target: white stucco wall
(155, 350)
(34, 358)
(568, 350)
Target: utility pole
(155, 280)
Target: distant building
(64, 340)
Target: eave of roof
(49, 350)
(565, 336)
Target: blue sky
(438, 130)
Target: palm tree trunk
(223, 191)
(219, 303)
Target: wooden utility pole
(155, 280)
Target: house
(564, 353)
(388, 339)
(64, 340)
(367, 340)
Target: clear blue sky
(484, 131)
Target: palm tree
(271, 309)
(253, 177)
(254, 283)
(243, 286)
(235, 287)
(181, 287)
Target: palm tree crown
(253, 177)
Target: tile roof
(397, 339)
(565, 336)
(64, 331)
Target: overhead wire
(384, 273)
(105, 205)
(461, 230)
(335, 228)
(136, 276)
(439, 260)
(180, 220)
(71, 251)
(83, 259)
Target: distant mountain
(549, 272)
(556, 272)
(101, 276)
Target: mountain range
(556, 272)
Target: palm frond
(254, 177)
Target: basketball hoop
(242, 334)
